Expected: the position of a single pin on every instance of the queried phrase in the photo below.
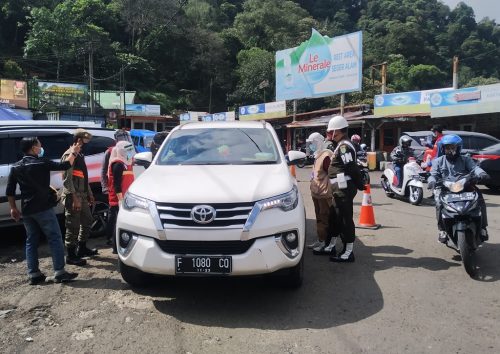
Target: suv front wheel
(134, 277)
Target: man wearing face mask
(120, 177)
(449, 166)
(32, 173)
(345, 179)
(78, 198)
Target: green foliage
(211, 54)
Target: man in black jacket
(32, 174)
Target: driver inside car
(451, 166)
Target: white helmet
(337, 123)
(315, 137)
(315, 143)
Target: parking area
(404, 293)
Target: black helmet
(437, 128)
(405, 141)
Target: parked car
(217, 199)
(472, 141)
(56, 137)
(142, 139)
(489, 160)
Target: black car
(472, 141)
(489, 160)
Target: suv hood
(212, 184)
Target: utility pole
(91, 78)
(124, 123)
(342, 104)
(455, 72)
(210, 99)
(383, 74)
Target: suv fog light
(291, 240)
(124, 239)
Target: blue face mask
(312, 147)
(42, 151)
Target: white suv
(218, 198)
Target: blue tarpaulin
(10, 114)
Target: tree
(426, 77)
(11, 70)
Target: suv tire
(134, 277)
(292, 277)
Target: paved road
(404, 293)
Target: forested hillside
(189, 54)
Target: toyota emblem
(203, 214)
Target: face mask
(434, 134)
(42, 151)
(312, 147)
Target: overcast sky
(482, 8)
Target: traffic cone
(292, 171)
(367, 216)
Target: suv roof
(225, 124)
(469, 144)
(52, 123)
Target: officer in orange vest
(120, 177)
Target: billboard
(143, 109)
(190, 116)
(263, 111)
(60, 94)
(404, 102)
(13, 93)
(218, 117)
(319, 67)
(466, 101)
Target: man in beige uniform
(78, 198)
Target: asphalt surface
(404, 293)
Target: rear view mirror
(294, 156)
(143, 159)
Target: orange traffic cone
(292, 171)
(367, 217)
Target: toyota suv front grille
(205, 247)
(175, 216)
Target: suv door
(54, 145)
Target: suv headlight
(132, 201)
(285, 202)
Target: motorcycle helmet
(356, 138)
(363, 147)
(451, 146)
(337, 123)
(405, 141)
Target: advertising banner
(13, 93)
(319, 67)
(190, 116)
(219, 117)
(466, 101)
(404, 102)
(263, 111)
(60, 94)
(143, 109)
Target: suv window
(54, 146)
(97, 145)
(479, 143)
(7, 154)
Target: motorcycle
(461, 216)
(412, 186)
(363, 167)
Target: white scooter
(412, 186)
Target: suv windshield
(219, 146)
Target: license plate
(203, 264)
(461, 197)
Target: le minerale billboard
(404, 102)
(320, 67)
(263, 111)
(466, 101)
(59, 94)
(13, 93)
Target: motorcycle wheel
(366, 176)
(301, 163)
(100, 214)
(385, 187)
(467, 254)
(416, 195)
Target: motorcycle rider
(450, 165)
(400, 156)
(345, 179)
(356, 140)
(320, 188)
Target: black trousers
(341, 214)
(111, 233)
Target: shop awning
(356, 117)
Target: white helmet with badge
(337, 123)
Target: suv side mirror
(143, 159)
(293, 156)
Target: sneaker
(443, 237)
(315, 244)
(484, 235)
(343, 258)
(325, 250)
(65, 277)
(40, 278)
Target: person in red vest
(431, 153)
(120, 177)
